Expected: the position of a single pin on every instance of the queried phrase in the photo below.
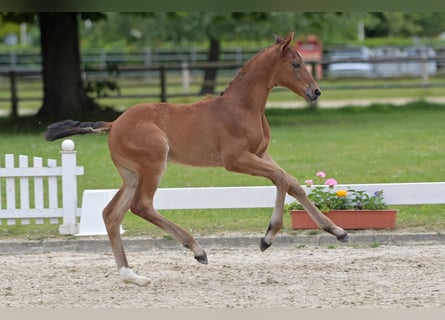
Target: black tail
(69, 127)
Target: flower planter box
(348, 219)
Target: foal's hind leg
(113, 215)
(142, 206)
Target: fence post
(147, 57)
(425, 70)
(69, 225)
(163, 84)
(185, 77)
(14, 97)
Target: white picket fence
(32, 192)
(46, 204)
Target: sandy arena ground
(283, 276)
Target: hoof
(264, 245)
(343, 238)
(202, 259)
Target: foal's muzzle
(312, 94)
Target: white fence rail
(32, 192)
(93, 201)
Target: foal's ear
(284, 43)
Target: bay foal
(229, 131)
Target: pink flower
(308, 182)
(321, 174)
(330, 182)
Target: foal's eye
(296, 65)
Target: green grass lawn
(354, 145)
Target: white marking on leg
(269, 238)
(129, 276)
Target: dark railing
(160, 71)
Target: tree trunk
(210, 74)
(63, 90)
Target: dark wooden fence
(162, 71)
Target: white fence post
(185, 77)
(10, 187)
(69, 188)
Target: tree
(181, 28)
(215, 27)
(404, 24)
(64, 93)
(219, 26)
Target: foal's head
(292, 73)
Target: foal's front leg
(276, 221)
(296, 191)
(251, 164)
